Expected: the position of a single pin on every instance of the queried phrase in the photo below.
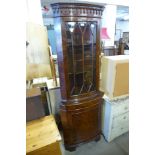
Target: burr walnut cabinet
(77, 31)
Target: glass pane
(81, 43)
(90, 56)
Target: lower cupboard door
(86, 124)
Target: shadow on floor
(119, 146)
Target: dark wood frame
(80, 115)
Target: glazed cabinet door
(81, 56)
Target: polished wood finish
(81, 121)
(77, 30)
(121, 48)
(76, 9)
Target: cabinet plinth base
(72, 148)
(97, 138)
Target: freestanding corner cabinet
(77, 30)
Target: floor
(119, 146)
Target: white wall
(121, 26)
(48, 21)
(108, 21)
(34, 12)
(111, 2)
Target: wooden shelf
(79, 72)
(78, 45)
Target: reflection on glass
(92, 25)
(71, 26)
(81, 44)
(71, 23)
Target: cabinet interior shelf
(87, 58)
(77, 73)
(80, 45)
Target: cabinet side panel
(68, 131)
(97, 53)
(61, 57)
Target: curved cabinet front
(81, 122)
